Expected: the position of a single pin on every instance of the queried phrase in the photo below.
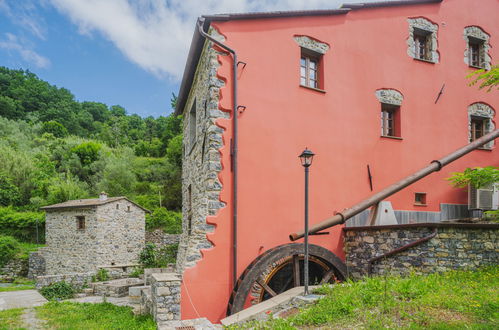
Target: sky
(126, 52)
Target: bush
(22, 225)
(477, 177)
(9, 247)
(151, 257)
(58, 291)
(161, 218)
(102, 275)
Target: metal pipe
(400, 249)
(305, 262)
(234, 148)
(435, 165)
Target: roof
(86, 203)
(198, 42)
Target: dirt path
(30, 320)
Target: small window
(310, 65)
(128, 208)
(390, 121)
(80, 222)
(192, 126)
(478, 127)
(420, 198)
(422, 44)
(117, 206)
(475, 53)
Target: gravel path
(30, 320)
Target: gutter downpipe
(435, 166)
(234, 146)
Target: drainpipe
(234, 146)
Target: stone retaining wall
(456, 245)
(78, 280)
(14, 268)
(159, 238)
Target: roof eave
(386, 4)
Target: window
(474, 53)
(117, 206)
(309, 69)
(478, 126)
(480, 122)
(192, 126)
(390, 123)
(422, 41)
(420, 198)
(477, 47)
(80, 222)
(422, 44)
(128, 208)
(311, 62)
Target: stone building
(83, 235)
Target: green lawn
(11, 319)
(68, 315)
(452, 300)
(17, 285)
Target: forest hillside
(54, 148)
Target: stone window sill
(423, 60)
(391, 137)
(314, 89)
(420, 204)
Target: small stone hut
(86, 234)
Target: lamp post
(306, 158)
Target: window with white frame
(480, 122)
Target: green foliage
(137, 271)
(9, 193)
(147, 257)
(488, 79)
(152, 257)
(11, 319)
(56, 129)
(102, 275)
(455, 299)
(22, 225)
(64, 188)
(69, 315)
(9, 247)
(161, 218)
(491, 215)
(477, 177)
(88, 152)
(58, 291)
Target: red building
(380, 85)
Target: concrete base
(21, 299)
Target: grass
(26, 248)
(455, 299)
(68, 315)
(11, 319)
(18, 285)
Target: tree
(488, 79)
(477, 177)
(9, 193)
(54, 128)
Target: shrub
(153, 257)
(9, 247)
(102, 275)
(161, 218)
(58, 291)
(22, 225)
(148, 255)
(477, 177)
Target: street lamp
(306, 158)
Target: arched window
(390, 100)
(422, 41)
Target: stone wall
(159, 238)
(36, 264)
(113, 234)
(201, 158)
(456, 245)
(165, 295)
(78, 280)
(14, 268)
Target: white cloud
(156, 34)
(24, 14)
(13, 43)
